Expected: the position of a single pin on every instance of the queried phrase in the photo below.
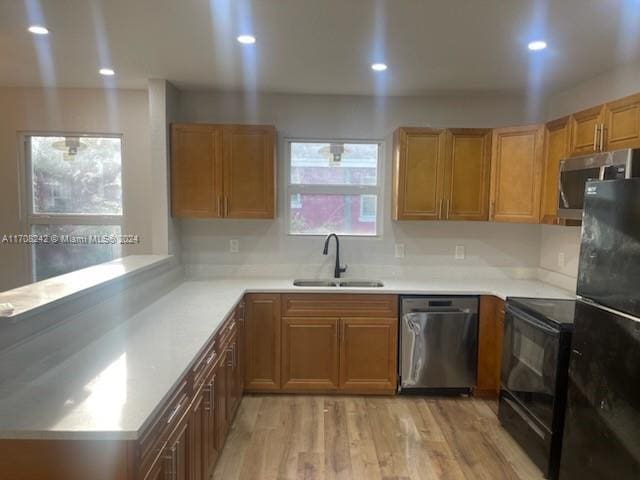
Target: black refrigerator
(602, 425)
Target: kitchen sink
(315, 283)
(336, 283)
(362, 283)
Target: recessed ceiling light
(379, 67)
(537, 45)
(247, 39)
(107, 72)
(38, 30)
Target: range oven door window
(529, 363)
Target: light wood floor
(370, 438)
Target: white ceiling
(318, 46)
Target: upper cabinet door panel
(556, 149)
(418, 173)
(467, 174)
(196, 170)
(622, 119)
(585, 130)
(516, 174)
(249, 172)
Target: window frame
(377, 189)
(29, 218)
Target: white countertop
(111, 388)
(48, 293)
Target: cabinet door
(196, 170)
(210, 431)
(516, 174)
(490, 331)
(467, 174)
(418, 169)
(233, 399)
(585, 127)
(249, 171)
(220, 403)
(262, 342)
(368, 355)
(159, 470)
(556, 149)
(198, 436)
(309, 354)
(622, 123)
(180, 464)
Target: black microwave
(576, 172)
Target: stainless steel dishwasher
(438, 344)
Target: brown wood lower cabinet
(368, 355)
(323, 352)
(262, 342)
(490, 332)
(309, 354)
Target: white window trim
(28, 218)
(335, 189)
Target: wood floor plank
(336, 440)
(291, 437)
(364, 459)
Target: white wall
(611, 85)
(73, 110)
(265, 245)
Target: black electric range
(535, 363)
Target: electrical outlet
(459, 254)
(234, 246)
(400, 250)
(561, 259)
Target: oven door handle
(526, 318)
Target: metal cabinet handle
(440, 209)
(210, 358)
(602, 137)
(447, 209)
(595, 137)
(226, 206)
(232, 350)
(174, 412)
(219, 205)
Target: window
(333, 187)
(74, 201)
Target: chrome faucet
(339, 270)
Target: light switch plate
(234, 246)
(400, 250)
(459, 254)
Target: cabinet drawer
(339, 305)
(204, 364)
(155, 436)
(228, 328)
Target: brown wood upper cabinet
(441, 174)
(556, 149)
(222, 171)
(622, 124)
(467, 174)
(585, 131)
(418, 169)
(516, 174)
(607, 127)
